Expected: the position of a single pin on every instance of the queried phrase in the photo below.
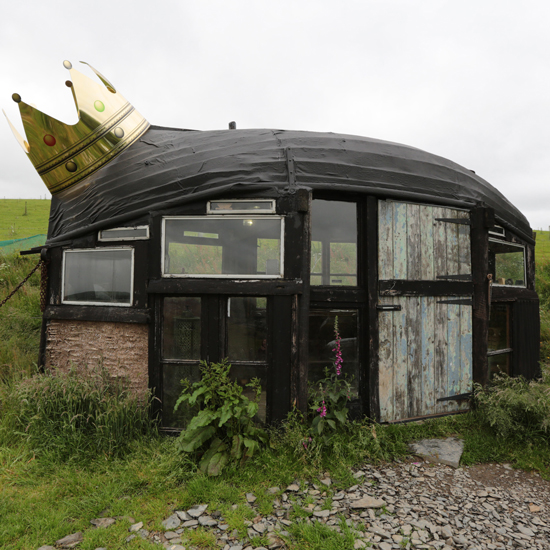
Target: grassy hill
(542, 249)
(20, 218)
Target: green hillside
(542, 249)
(16, 224)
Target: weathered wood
(414, 243)
(428, 354)
(370, 268)
(235, 287)
(464, 248)
(385, 240)
(399, 240)
(441, 361)
(401, 356)
(440, 243)
(386, 363)
(452, 246)
(427, 240)
(453, 343)
(465, 382)
(414, 361)
(337, 294)
(425, 288)
(98, 313)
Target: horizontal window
(241, 206)
(125, 234)
(100, 276)
(507, 263)
(214, 246)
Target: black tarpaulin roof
(167, 167)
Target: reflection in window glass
(98, 276)
(499, 342)
(181, 329)
(333, 243)
(217, 247)
(507, 263)
(246, 329)
(322, 342)
(172, 375)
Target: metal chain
(22, 283)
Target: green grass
(542, 248)
(14, 224)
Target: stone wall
(121, 347)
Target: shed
(167, 247)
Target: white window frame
(280, 275)
(113, 239)
(269, 211)
(95, 304)
(524, 264)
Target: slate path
(413, 505)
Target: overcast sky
(467, 80)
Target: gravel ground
(398, 506)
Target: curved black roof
(167, 167)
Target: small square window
(507, 263)
(100, 276)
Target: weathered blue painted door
(425, 344)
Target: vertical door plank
(400, 364)
(414, 361)
(427, 243)
(464, 248)
(452, 244)
(399, 240)
(414, 243)
(441, 361)
(465, 353)
(453, 340)
(386, 362)
(440, 243)
(428, 353)
(385, 240)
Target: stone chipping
(412, 505)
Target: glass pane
(499, 363)
(172, 375)
(322, 341)
(507, 263)
(246, 329)
(181, 329)
(215, 247)
(499, 327)
(126, 233)
(237, 206)
(98, 276)
(243, 374)
(334, 243)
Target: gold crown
(65, 154)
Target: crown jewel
(65, 154)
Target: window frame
(96, 304)
(101, 238)
(253, 276)
(516, 245)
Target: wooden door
(425, 332)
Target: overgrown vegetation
(223, 427)
(83, 413)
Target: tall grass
(82, 413)
(20, 317)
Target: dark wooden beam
(425, 288)
(98, 313)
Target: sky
(468, 80)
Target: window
(333, 243)
(100, 276)
(125, 234)
(498, 345)
(507, 263)
(241, 206)
(223, 246)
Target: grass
(15, 224)
(542, 248)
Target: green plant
(83, 412)
(223, 429)
(516, 408)
(329, 398)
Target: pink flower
(338, 361)
(322, 410)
